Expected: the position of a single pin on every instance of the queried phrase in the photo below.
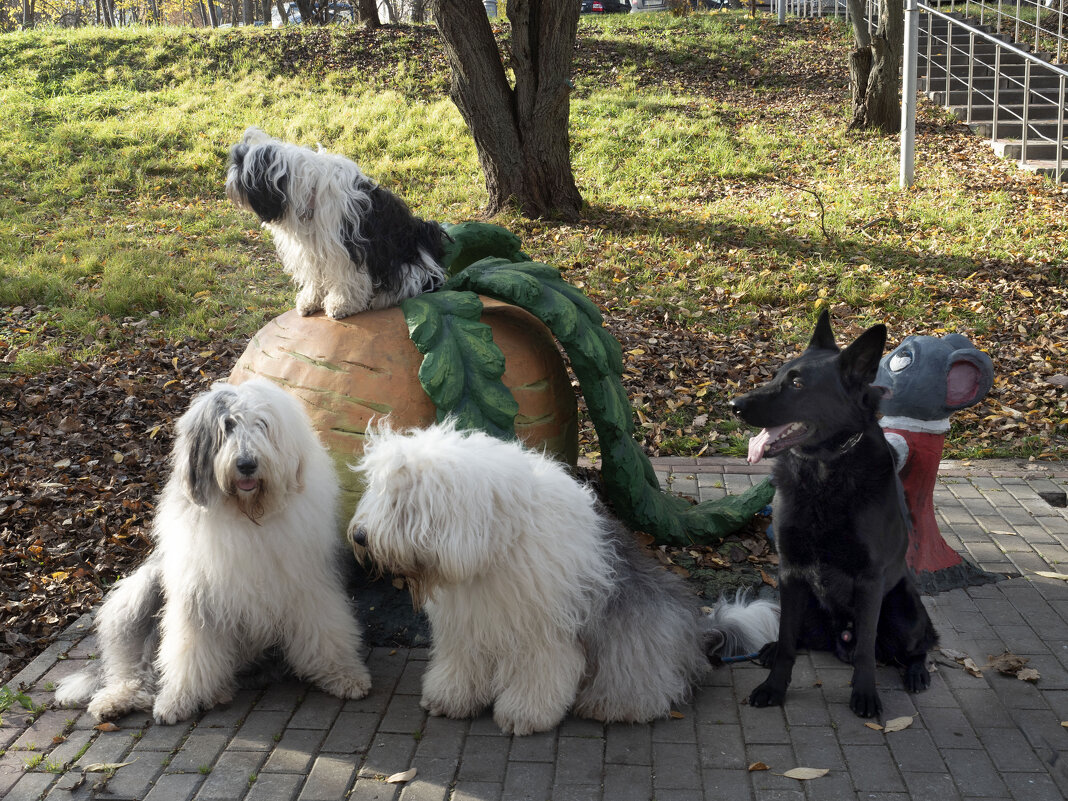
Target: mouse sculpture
(925, 379)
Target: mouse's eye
(899, 361)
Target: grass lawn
(726, 205)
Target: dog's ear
(823, 336)
(266, 183)
(202, 431)
(859, 362)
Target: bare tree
(874, 67)
(520, 130)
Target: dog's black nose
(359, 537)
(246, 465)
(737, 404)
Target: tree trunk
(368, 13)
(875, 68)
(281, 12)
(521, 133)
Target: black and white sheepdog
(538, 602)
(246, 557)
(349, 244)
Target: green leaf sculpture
(597, 360)
(462, 367)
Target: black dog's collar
(841, 450)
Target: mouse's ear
(859, 362)
(822, 335)
(969, 376)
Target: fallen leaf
(874, 726)
(1028, 674)
(1007, 663)
(406, 776)
(971, 667)
(803, 774)
(106, 767)
(1051, 575)
(897, 724)
(106, 726)
(761, 766)
(677, 715)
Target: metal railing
(989, 71)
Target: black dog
(841, 526)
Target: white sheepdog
(348, 244)
(246, 557)
(538, 602)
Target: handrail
(1009, 46)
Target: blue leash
(742, 658)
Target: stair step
(1011, 129)
(1036, 150)
(1012, 96)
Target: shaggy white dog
(348, 244)
(538, 602)
(246, 557)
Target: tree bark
(875, 68)
(368, 12)
(520, 132)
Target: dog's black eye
(228, 425)
(797, 383)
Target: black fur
(390, 235)
(207, 435)
(841, 527)
(266, 197)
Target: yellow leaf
(758, 766)
(406, 776)
(874, 726)
(897, 724)
(677, 715)
(1048, 574)
(117, 458)
(59, 575)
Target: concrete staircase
(973, 86)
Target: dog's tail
(78, 688)
(740, 627)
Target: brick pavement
(988, 737)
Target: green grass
(693, 140)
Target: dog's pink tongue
(247, 484)
(758, 445)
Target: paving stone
(260, 731)
(1010, 751)
(367, 789)
(575, 792)
(817, 746)
(676, 766)
(137, 778)
(329, 779)
(30, 787)
(275, 787)
(766, 782)
(231, 715)
(230, 775)
(49, 725)
(579, 761)
(403, 715)
(1033, 787)
(108, 747)
(974, 773)
(163, 738)
(720, 747)
(541, 747)
(676, 729)
(580, 727)
(387, 754)
(484, 759)
(282, 696)
(724, 783)
(351, 733)
(318, 710)
(477, 791)
(533, 781)
(175, 787)
(295, 751)
(915, 751)
(873, 769)
(950, 728)
(630, 783)
(201, 749)
(931, 785)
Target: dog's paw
(108, 707)
(338, 310)
(168, 711)
(449, 709)
(767, 694)
(351, 685)
(917, 677)
(517, 727)
(865, 704)
(308, 302)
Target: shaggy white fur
(246, 557)
(538, 601)
(348, 244)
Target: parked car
(637, 6)
(603, 6)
